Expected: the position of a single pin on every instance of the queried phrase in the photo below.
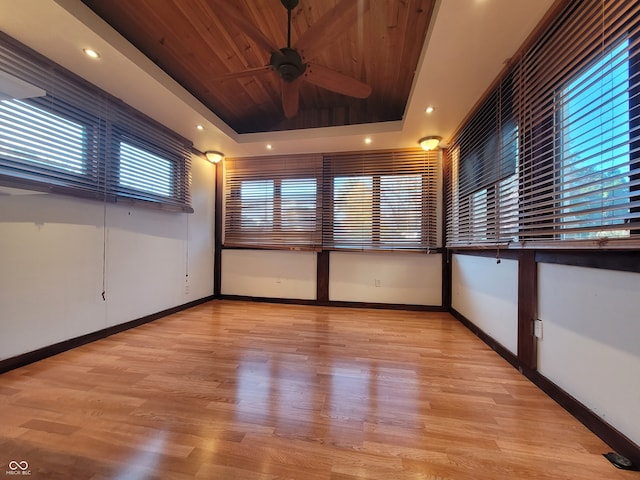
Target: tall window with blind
(380, 201)
(62, 149)
(483, 195)
(594, 149)
(356, 201)
(573, 124)
(273, 202)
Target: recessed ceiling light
(91, 53)
(199, 127)
(430, 143)
(429, 109)
(367, 140)
(269, 147)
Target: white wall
(486, 293)
(591, 340)
(409, 279)
(54, 258)
(269, 274)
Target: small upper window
(144, 171)
(66, 136)
(31, 135)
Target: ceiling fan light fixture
(213, 156)
(288, 62)
(430, 143)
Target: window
(400, 209)
(568, 115)
(479, 215)
(594, 148)
(273, 202)
(32, 135)
(363, 201)
(298, 204)
(256, 204)
(49, 149)
(381, 201)
(76, 139)
(296, 197)
(143, 171)
(483, 196)
(352, 211)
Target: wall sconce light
(430, 143)
(213, 156)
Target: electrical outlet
(537, 329)
(186, 289)
(376, 282)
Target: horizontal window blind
(483, 190)
(380, 200)
(273, 202)
(576, 113)
(578, 169)
(153, 164)
(76, 139)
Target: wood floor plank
(241, 390)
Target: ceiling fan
(291, 63)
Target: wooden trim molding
(329, 303)
(527, 308)
(623, 261)
(446, 253)
(619, 442)
(496, 346)
(446, 280)
(217, 249)
(322, 280)
(619, 260)
(493, 252)
(45, 352)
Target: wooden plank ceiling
(196, 44)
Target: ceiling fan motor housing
(288, 64)
(289, 4)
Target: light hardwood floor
(237, 390)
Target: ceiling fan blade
(333, 23)
(336, 82)
(249, 72)
(290, 97)
(238, 18)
